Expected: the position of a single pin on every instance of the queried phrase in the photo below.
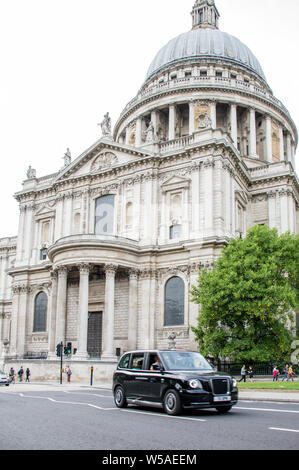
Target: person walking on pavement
(28, 373)
(12, 375)
(20, 374)
(291, 373)
(275, 374)
(250, 372)
(68, 373)
(286, 373)
(243, 374)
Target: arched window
(40, 312)
(104, 214)
(174, 307)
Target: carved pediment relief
(102, 161)
(175, 182)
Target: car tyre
(120, 397)
(223, 409)
(172, 403)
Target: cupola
(205, 15)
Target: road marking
(265, 409)
(164, 416)
(92, 394)
(284, 429)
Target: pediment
(45, 210)
(103, 155)
(175, 182)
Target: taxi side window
(137, 361)
(124, 362)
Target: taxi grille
(220, 386)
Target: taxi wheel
(172, 403)
(120, 397)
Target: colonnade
(59, 310)
(287, 145)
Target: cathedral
(109, 246)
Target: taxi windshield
(185, 360)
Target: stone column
(208, 168)
(108, 321)
(171, 122)
(145, 286)
(154, 122)
(21, 330)
(83, 311)
(132, 323)
(252, 142)
(14, 320)
(52, 320)
(289, 148)
(138, 132)
(61, 304)
(233, 123)
(214, 114)
(191, 117)
(269, 139)
(281, 144)
(28, 233)
(21, 234)
(128, 135)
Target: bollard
(91, 375)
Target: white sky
(65, 63)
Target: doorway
(94, 334)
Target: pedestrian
(12, 375)
(68, 373)
(286, 373)
(243, 374)
(250, 372)
(21, 373)
(275, 374)
(28, 373)
(291, 373)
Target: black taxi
(172, 380)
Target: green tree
(248, 299)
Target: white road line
(284, 429)
(164, 416)
(92, 394)
(265, 409)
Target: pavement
(244, 394)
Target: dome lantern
(205, 14)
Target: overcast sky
(65, 63)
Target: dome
(205, 43)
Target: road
(86, 419)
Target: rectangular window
(203, 73)
(137, 361)
(43, 254)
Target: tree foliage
(248, 299)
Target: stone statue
(31, 173)
(106, 125)
(150, 131)
(205, 122)
(172, 337)
(67, 157)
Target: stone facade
(203, 153)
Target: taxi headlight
(195, 383)
(234, 383)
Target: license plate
(223, 398)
